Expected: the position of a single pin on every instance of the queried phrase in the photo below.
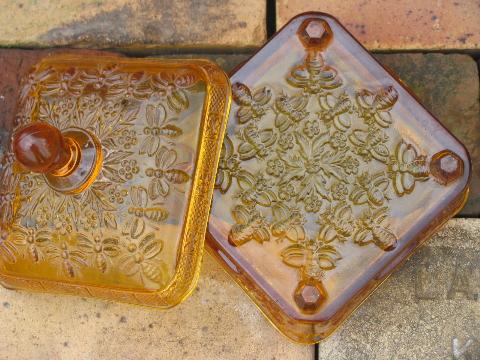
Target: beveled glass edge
(190, 251)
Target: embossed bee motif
(312, 257)
(166, 173)
(34, 241)
(100, 248)
(63, 83)
(68, 257)
(334, 111)
(252, 106)
(288, 223)
(141, 214)
(142, 260)
(103, 78)
(249, 225)
(158, 127)
(255, 142)
(375, 106)
(406, 167)
(370, 144)
(32, 80)
(372, 228)
(172, 85)
(136, 86)
(290, 110)
(336, 223)
(314, 76)
(371, 189)
(254, 189)
(228, 166)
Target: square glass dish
(331, 175)
(107, 182)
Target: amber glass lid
(107, 181)
(331, 174)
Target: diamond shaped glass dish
(331, 174)
(128, 223)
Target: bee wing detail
(363, 237)
(244, 114)
(386, 98)
(358, 137)
(267, 137)
(380, 152)
(384, 119)
(295, 233)
(261, 235)
(156, 214)
(280, 212)
(365, 98)
(246, 151)
(384, 238)
(262, 96)
(282, 122)
(295, 255)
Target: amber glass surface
(331, 174)
(106, 186)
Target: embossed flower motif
(158, 127)
(63, 224)
(312, 203)
(286, 192)
(89, 102)
(339, 191)
(166, 173)
(142, 260)
(350, 164)
(27, 185)
(275, 167)
(286, 141)
(68, 258)
(338, 140)
(102, 249)
(43, 216)
(128, 168)
(89, 220)
(65, 107)
(140, 213)
(111, 109)
(34, 240)
(172, 86)
(116, 194)
(127, 138)
(311, 128)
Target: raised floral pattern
(315, 164)
(113, 226)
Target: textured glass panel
(136, 224)
(331, 174)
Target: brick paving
(429, 308)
